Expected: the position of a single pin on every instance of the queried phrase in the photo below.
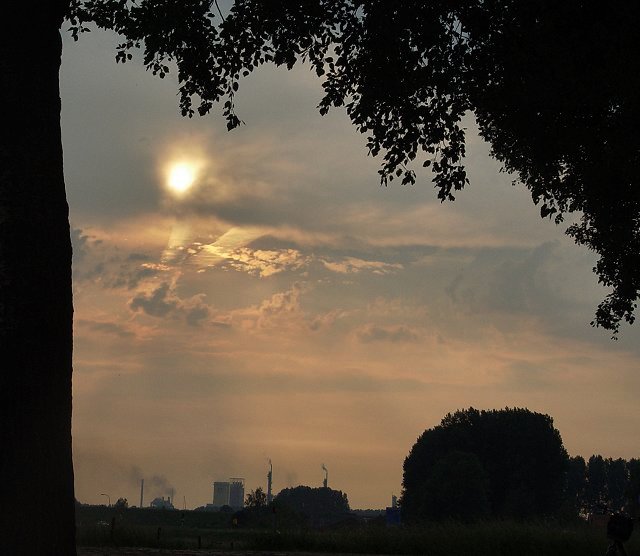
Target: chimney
(269, 480)
(141, 492)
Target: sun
(181, 177)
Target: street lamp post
(108, 498)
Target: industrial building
(236, 493)
(220, 493)
(162, 504)
(229, 493)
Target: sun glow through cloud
(181, 177)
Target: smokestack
(269, 480)
(325, 483)
(141, 491)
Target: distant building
(229, 493)
(220, 493)
(162, 504)
(236, 493)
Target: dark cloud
(163, 302)
(130, 278)
(79, 244)
(196, 315)
(138, 257)
(95, 260)
(86, 265)
(157, 303)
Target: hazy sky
(288, 307)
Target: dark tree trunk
(36, 309)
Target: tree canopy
(553, 87)
(517, 452)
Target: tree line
(604, 483)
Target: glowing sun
(181, 177)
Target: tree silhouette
(320, 505)
(576, 484)
(552, 85)
(35, 290)
(596, 489)
(520, 452)
(256, 499)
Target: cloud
(131, 278)
(327, 320)
(352, 265)
(163, 302)
(281, 308)
(510, 281)
(107, 328)
(194, 315)
(79, 243)
(100, 258)
(259, 262)
(394, 334)
(157, 303)
(86, 265)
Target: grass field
(212, 532)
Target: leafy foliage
(520, 452)
(552, 85)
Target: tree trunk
(36, 309)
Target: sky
(285, 306)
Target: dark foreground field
(491, 539)
(105, 551)
(174, 533)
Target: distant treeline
(603, 482)
(88, 516)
